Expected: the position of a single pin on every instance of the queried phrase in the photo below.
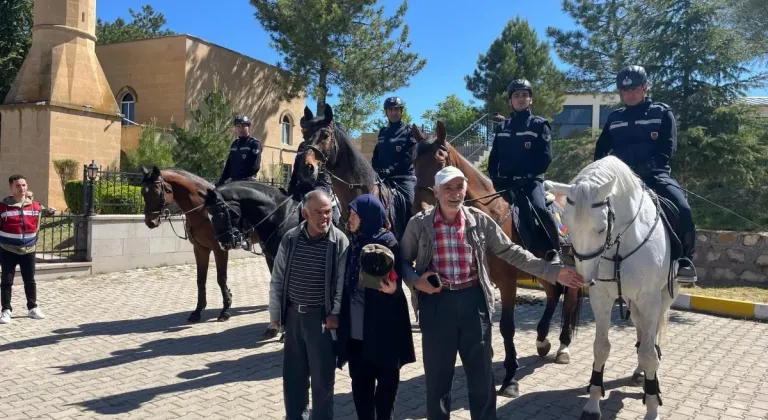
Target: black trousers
(539, 239)
(666, 186)
(451, 321)
(308, 354)
(9, 261)
(374, 387)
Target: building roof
(755, 100)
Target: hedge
(108, 198)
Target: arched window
(286, 126)
(128, 108)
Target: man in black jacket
(244, 159)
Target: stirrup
(686, 279)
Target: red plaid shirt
(452, 258)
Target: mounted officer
(643, 134)
(393, 157)
(244, 158)
(521, 152)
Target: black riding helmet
(519, 84)
(631, 77)
(394, 102)
(242, 119)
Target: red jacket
(19, 222)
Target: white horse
(609, 212)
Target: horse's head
(320, 149)
(157, 196)
(226, 219)
(433, 154)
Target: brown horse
(160, 188)
(435, 153)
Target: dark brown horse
(160, 188)
(435, 153)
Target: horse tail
(569, 320)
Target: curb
(717, 306)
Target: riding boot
(686, 272)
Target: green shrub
(108, 198)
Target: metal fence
(62, 238)
(474, 140)
(115, 192)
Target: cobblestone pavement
(118, 345)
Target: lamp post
(91, 172)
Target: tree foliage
(144, 24)
(15, 40)
(203, 147)
(155, 148)
(454, 113)
(518, 53)
(349, 44)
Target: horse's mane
(240, 190)
(348, 156)
(202, 182)
(597, 174)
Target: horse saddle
(528, 233)
(398, 207)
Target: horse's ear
(440, 132)
(606, 189)
(308, 115)
(417, 134)
(328, 114)
(144, 171)
(155, 171)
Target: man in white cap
(448, 244)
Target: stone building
(74, 100)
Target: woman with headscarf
(375, 328)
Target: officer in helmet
(521, 152)
(394, 154)
(244, 158)
(643, 134)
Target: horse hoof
(543, 349)
(510, 390)
(194, 317)
(563, 358)
(590, 416)
(638, 378)
(223, 317)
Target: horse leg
(648, 355)
(571, 315)
(222, 257)
(508, 291)
(542, 330)
(602, 303)
(638, 376)
(202, 256)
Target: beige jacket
(483, 234)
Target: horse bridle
(609, 243)
(444, 162)
(324, 159)
(237, 233)
(165, 212)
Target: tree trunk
(322, 91)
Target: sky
(449, 34)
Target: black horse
(244, 209)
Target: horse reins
(617, 258)
(324, 159)
(165, 212)
(252, 228)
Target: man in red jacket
(19, 222)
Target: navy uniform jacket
(395, 151)
(244, 160)
(644, 136)
(522, 146)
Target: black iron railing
(62, 238)
(474, 139)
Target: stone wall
(123, 242)
(731, 257)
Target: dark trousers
(9, 261)
(374, 387)
(542, 238)
(308, 355)
(452, 321)
(665, 186)
(402, 203)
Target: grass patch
(56, 235)
(755, 294)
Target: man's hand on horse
(423, 285)
(570, 278)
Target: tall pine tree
(517, 54)
(15, 40)
(144, 24)
(347, 44)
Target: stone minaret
(60, 104)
